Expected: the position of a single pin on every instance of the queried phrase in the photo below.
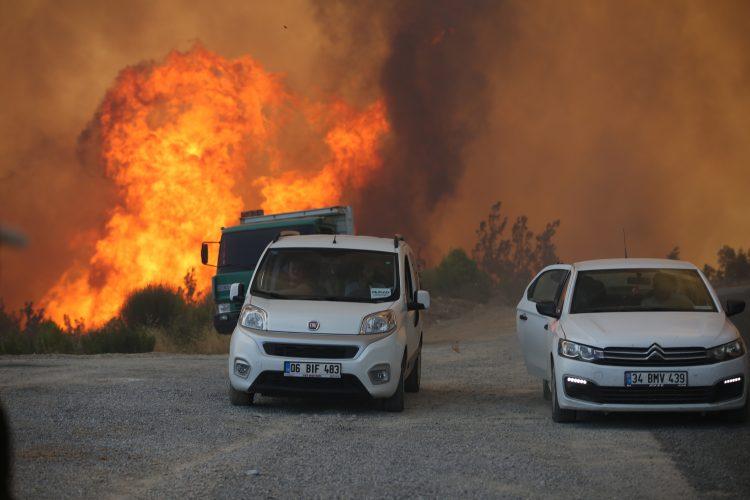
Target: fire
(177, 137)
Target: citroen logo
(313, 325)
(655, 351)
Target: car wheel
(737, 416)
(412, 381)
(558, 414)
(395, 403)
(239, 398)
(545, 390)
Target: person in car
(665, 294)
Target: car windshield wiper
(269, 295)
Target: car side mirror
(204, 253)
(734, 307)
(547, 308)
(236, 292)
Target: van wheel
(412, 381)
(545, 390)
(239, 398)
(396, 402)
(558, 414)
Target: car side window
(563, 293)
(547, 286)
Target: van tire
(395, 403)
(414, 378)
(240, 398)
(559, 415)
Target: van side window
(547, 286)
(407, 278)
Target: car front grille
(655, 356)
(273, 383)
(314, 351)
(654, 395)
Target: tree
(674, 254)
(512, 262)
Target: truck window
(240, 250)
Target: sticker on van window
(379, 293)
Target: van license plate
(656, 379)
(312, 370)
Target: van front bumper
(265, 353)
(595, 387)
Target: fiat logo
(313, 325)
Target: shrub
(153, 306)
(116, 336)
(458, 276)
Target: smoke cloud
(606, 115)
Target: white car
(632, 335)
(330, 314)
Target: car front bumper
(266, 353)
(605, 388)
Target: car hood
(641, 329)
(333, 317)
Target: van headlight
(572, 350)
(379, 322)
(730, 350)
(254, 318)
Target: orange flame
(176, 140)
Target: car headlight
(253, 317)
(730, 350)
(573, 350)
(379, 322)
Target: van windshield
(342, 275)
(639, 290)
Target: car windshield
(638, 290)
(327, 274)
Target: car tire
(240, 398)
(559, 415)
(413, 380)
(546, 393)
(738, 416)
(395, 403)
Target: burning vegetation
(178, 137)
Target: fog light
(241, 368)
(380, 374)
(576, 380)
(733, 380)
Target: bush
(458, 276)
(116, 336)
(153, 306)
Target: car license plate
(313, 370)
(656, 379)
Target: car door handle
(523, 317)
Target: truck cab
(241, 246)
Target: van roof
(342, 241)
(600, 264)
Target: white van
(330, 314)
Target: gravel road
(161, 426)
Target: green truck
(241, 246)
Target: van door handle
(523, 317)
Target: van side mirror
(236, 292)
(547, 308)
(734, 307)
(204, 253)
(420, 302)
